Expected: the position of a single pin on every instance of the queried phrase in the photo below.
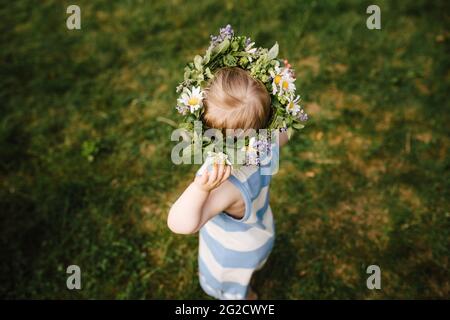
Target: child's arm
(207, 196)
(284, 138)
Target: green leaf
(187, 74)
(209, 73)
(191, 118)
(243, 62)
(221, 47)
(198, 62)
(207, 56)
(229, 60)
(235, 46)
(298, 125)
(273, 52)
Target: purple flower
(252, 159)
(227, 31)
(182, 109)
(263, 146)
(260, 150)
(302, 116)
(248, 41)
(224, 33)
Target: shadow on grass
(278, 271)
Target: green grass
(86, 176)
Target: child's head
(235, 100)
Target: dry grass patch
(338, 68)
(346, 271)
(366, 215)
(126, 79)
(408, 195)
(308, 64)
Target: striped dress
(231, 249)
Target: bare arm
(207, 196)
(283, 138)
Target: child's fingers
(226, 174)
(213, 175)
(220, 173)
(205, 177)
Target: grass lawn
(86, 176)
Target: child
(230, 207)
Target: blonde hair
(235, 100)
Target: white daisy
(251, 51)
(191, 99)
(283, 82)
(218, 158)
(293, 107)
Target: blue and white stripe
(231, 249)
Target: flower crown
(228, 50)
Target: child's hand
(211, 180)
